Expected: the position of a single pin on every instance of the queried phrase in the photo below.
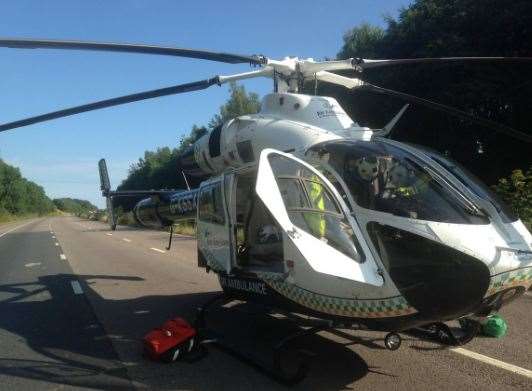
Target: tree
(74, 206)
(500, 92)
(160, 169)
(19, 197)
(362, 41)
(239, 103)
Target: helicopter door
(213, 232)
(307, 208)
(258, 238)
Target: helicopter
(304, 211)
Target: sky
(62, 155)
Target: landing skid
(441, 332)
(272, 369)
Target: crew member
(316, 221)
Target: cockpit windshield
(385, 178)
(473, 183)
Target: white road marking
(158, 250)
(53, 237)
(141, 312)
(31, 264)
(494, 362)
(126, 240)
(109, 234)
(63, 257)
(76, 287)
(17, 227)
(56, 244)
(183, 236)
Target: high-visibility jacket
(316, 221)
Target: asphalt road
(72, 315)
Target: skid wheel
(467, 330)
(470, 329)
(180, 351)
(392, 341)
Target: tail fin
(387, 129)
(105, 186)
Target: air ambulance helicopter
(306, 212)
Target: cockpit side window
(312, 207)
(385, 178)
(292, 193)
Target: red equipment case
(170, 342)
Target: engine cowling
(287, 122)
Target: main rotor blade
(365, 63)
(355, 84)
(131, 48)
(194, 86)
(449, 110)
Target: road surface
(76, 298)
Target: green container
(494, 326)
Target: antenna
(186, 182)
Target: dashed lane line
(109, 234)
(126, 240)
(76, 287)
(494, 362)
(62, 256)
(56, 244)
(13, 229)
(158, 250)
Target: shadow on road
(74, 348)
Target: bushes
(125, 218)
(516, 190)
(185, 227)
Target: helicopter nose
(452, 285)
(439, 281)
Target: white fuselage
(286, 122)
(288, 126)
